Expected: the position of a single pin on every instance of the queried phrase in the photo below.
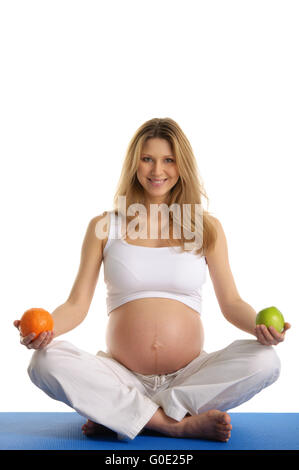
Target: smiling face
(157, 171)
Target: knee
(39, 364)
(262, 360)
(269, 363)
(44, 361)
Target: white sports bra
(135, 272)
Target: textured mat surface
(62, 431)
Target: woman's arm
(70, 314)
(220, 272)
(232, 306)
(242, 315)
(66, 317)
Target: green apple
(270, 316)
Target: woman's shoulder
(211, 217)
(99, 225)
(213, 221)
(99, 217)
(213, 228)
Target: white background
(77, 79)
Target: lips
(157, 182)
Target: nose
(157, 170)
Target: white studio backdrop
(77, 79)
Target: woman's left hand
(270, 336)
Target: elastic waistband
(150, 376)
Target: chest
(134, 268)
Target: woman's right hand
(40, 342)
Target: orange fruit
(36, 320)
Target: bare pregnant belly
(154, 335)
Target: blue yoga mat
(62, 431)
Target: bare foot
(91, 429)
(211, 425)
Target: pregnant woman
(155, 373)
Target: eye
(169, 159)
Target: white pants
(103, 390)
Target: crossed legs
(107, 393)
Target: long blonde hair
(188, 189)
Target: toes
(224, 427)
(224, 436)
(86, 427)
(225, 418)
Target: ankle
(162, 423)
